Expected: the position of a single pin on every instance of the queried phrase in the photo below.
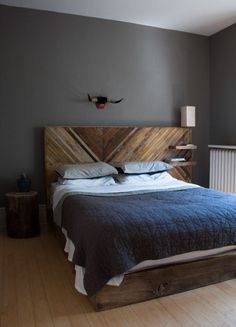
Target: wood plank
(182, 317)
(124, 317)
(91, 140)
(182, 174)
(42, 314)
(182, 163)
(9, 310)
(211, 297)
(53, 286)
(76, 306)
(198, 312)
(156, 314)
(114, 140)
(158, 282)
(23, 292)
(220, 293)
(183, 147)
(73, 144)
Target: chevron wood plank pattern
(92, 138)
(78, 144)
(114, 140)
(184, 173)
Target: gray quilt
(112, 234)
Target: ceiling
(204, 17)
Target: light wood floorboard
(37, 289)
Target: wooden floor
(36, 289)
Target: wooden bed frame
(75, 144)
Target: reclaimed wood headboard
(78, 144)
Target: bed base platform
(149, 284)
(157, 282)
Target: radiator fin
(223, 170)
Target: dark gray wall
(223, 86)
(50, 61)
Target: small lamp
(188, 118)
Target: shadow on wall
(36, 172)
(38, 180)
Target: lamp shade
(188, 118)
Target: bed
(177, 271)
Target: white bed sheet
(167, 182)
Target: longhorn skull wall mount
(101, 101)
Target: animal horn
(92, 99)
(117, 101)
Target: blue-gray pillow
(142, 167)
(86, 170)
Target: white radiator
(223, 168)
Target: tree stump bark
(22, 214)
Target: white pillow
(144, 179)
(87, 182)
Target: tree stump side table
(22, 214)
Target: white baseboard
(42, 215)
